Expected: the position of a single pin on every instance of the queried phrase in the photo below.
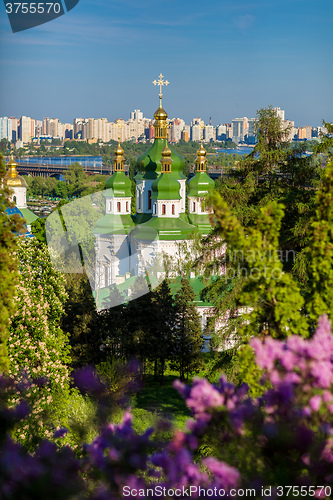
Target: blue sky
(224, 59)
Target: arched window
(118, 206)
(110, 206)
(173, 209)
(154, 209)
(163, 209)
(149, 199)
(14, 200)
(126, 206)
(139, 200)
(194, 206)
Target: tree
(80, 320)
(38, 348)
(187, 333)
(162, 334)
(269, 151)
(8, 266)
(75, 176)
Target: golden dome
(12, 178)
(119, 151)
(18, 181)
(201, 159)
(119, 159)
(166, 160)
(160, 114)
(166, 152)
(201, 151)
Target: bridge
(44, 170)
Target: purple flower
(224, 475)
(203, 397)
(315, 402)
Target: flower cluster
(233, 441)
(37, 348)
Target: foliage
(187, 340)
(8, 266)
(233, 441)
(38, 349)
(271, 242)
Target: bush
(281, 441)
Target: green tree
(38, 348)
(8, 267)
(270, 151)
(187, 333)
(75, 177)
(80, 320)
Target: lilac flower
(203, 397)
(224, 476)
(315, 402)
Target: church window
(139, 200)
(149, 199)
(173, 209)
(202, 207)
(154, 209)
(110, 206)
(118, 206)
(14, 200)
(163, 209)
(126, 206)
(194, 206)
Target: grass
(160, 402)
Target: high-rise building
(136, 115)
(196, 133)
(6, 128)
(221, 132)
(177, 126)
(280, 113)
(209, 133)
(239, 129)
(26, 129)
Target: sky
(223, 58)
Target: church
(169, 209)
(19, 197)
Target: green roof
(201, 221)
(114, 224)
(28, 215)
(149, 163)
(167, 228)
(200, 184)
(165, 187)
(120, 184)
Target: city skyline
(223, 59)
(25, 129)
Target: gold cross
(161, 82)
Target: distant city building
(177, 126)
(26, 129)
(6, 128)
(280, 113)
(136, 115)
(221, 133)
(196, 133)
(239, 129)
(209, 133)
(304, 133)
